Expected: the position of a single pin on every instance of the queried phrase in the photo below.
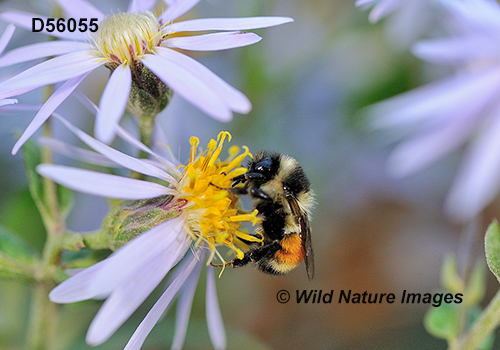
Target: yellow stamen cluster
(212, 211)
(124, 36)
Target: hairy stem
(42, 318)
(43, 315)
(489, 320)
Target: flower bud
(148, 94)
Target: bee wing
(305, 235)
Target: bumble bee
(282, 195)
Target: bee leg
(266, 250)
(238, 190)
(238, 179)
(257, 254)
(235, 262)
(253, 255)
(218, 265)
(233, 190)
(241, 262)
(258, 193)
(254, 176)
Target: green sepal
(16, 257)
(149, 95)
(443, 321)
(131, 218)
(492, 248)
(31, 158)
(476, 286)
(450, 280)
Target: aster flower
(462, 109)
(196, 215)
(141, 50)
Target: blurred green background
(308, 81)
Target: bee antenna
(221, 265)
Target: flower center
(213, 214)
(124, 36)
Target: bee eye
(263, 165)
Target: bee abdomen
(285, 259)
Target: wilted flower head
(192, 208)
(141, 50)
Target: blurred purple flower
(461, 110)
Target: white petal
(159, 307)
(75, 288)
(176, 9)
(161, 145)
(477, 182)
(31, 52)
(24, 20)
(363, 3)
(232, 98)
(10, 107)
(8, 101)
(86, 102)
(6, 36)
(244, 23)
(382, 9)
(80, 9)
(124, 134)
(76, 152)
(103, 185)
(213, 42)
(439, 100)
(420, 151)
(113, 103)
(189, 86)
(47, 109)
(141, 5)
(50, 72)
(214, 317)
(116, 156)
(184, 304)
(122, 302)
(479, 16)
(455, 50)
(136, 254)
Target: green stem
(42, 316)
(96, 240)
(146, 134)
(489, 320)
